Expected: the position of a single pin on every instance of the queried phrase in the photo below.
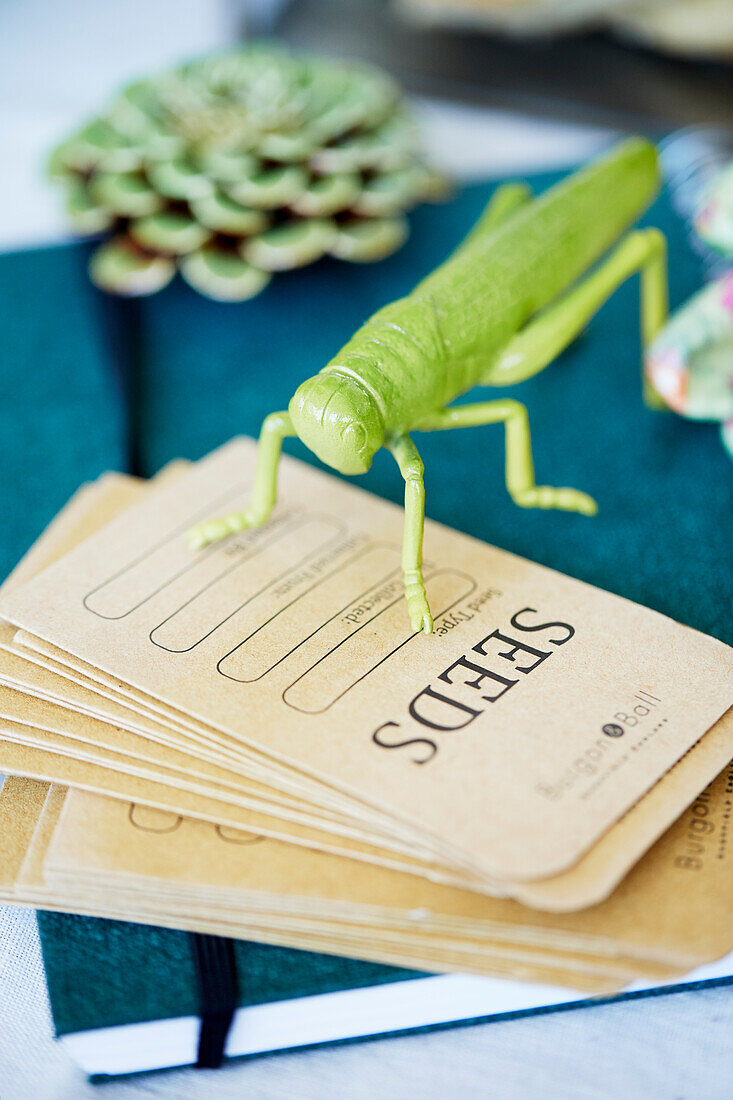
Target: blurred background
(499, 85)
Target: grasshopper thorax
(339, 420)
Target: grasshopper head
(339, 420)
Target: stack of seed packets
(249, 739)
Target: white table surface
(56, 61)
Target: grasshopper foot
(419, 612)
(422, 621)
(546, 496)
(213, 530)
(418, 607)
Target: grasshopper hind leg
(276, 427)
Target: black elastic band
(216, 972)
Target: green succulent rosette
(236, 166)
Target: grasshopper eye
(354, 436)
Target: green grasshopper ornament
(512, 296)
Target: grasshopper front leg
(411, 468)
(276, 427)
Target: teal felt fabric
(61, 420)
(209, 371)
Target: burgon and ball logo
(611, 729)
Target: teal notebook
(127, 998)
(207, 371)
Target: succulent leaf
(85, 215)
(388, 193)
(118, 267)
(177, 179)
(222, 275)
(125, 194)
(292, 245)
(364, 240)
(269, 188)
(223, 215)
(328, 195)
(169, 233)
